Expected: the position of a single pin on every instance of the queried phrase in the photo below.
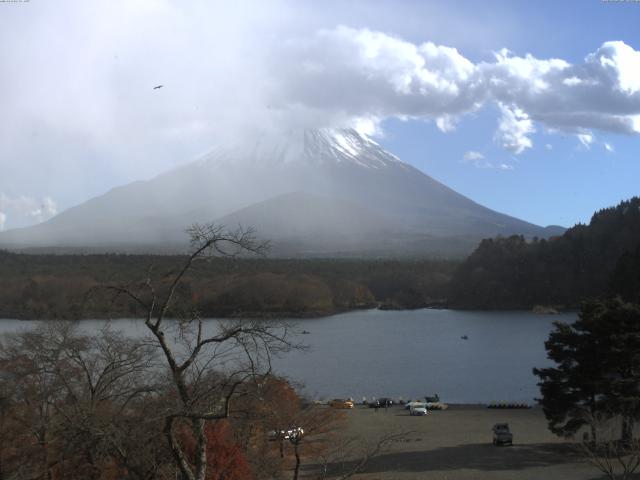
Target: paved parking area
(457, 444)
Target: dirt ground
(455, 444)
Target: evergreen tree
(625, 280)
(597, 369)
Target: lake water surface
(410, 354)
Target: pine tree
(597, 370)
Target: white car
(418, 409)
(292, 433)
(408, 405)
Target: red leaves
(225, 459)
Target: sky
(529, 108)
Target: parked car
(340, 403)
(407, 405)
(385, 402)
(501, 434)
(293, 432)
(418, 409)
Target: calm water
(411, 354)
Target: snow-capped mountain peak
(327, 192)
(308, 146)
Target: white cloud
(471, 156)
(521, 75)
(600, 93)
(572, 81)
(621, 63)
(25, 208)
(374, 74)
(45, 210)
(608, 147)
(3, 220)
(586, 139)
(514, 129)
(446, 123)
(478, 160)
(548, 146)
(359, 72)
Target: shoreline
(310, 315)
(336, 341)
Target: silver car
(418, 409)
(501, 434)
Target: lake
(411, 353)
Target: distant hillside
(64, 286)
(588, 260)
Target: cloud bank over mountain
(225, 66)
(82, 78)
(363, 76)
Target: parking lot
(457, 444)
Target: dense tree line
(587, 261)
(63, 286)
(625, 280)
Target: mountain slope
(302, 223)
(338, 169)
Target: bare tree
(617, 459)
(351, 455)
(112, 373)
(73, 394)
(29, 362)
(322, 432)
(208, 364)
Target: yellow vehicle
(340, 403)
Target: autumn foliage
(75, 406)
(225, 458)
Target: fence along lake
(464, 356)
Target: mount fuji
(329, 192)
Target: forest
(593, 260)
(598, 259)
(67, 286)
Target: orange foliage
(225, 459)
(224, 456)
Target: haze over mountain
(311, 192)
